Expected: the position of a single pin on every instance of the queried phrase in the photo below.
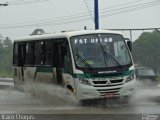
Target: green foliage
(6, 58)
(5, 74)
(146, 50)
(158, 77)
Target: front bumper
(85, 92)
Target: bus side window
(59, 51)
(67, 60)
(24, 53)
(48, 53)
(56, 54)
(15, 55)
(43, 53)
(38, 53)
(29, 53)
(19, 54)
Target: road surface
(48, 102)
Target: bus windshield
(100, 51)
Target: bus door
(22, 57)
(19, 60)
(58, 61)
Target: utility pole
(96, 14)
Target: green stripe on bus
(44, 69)
(125, 73)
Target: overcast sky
(21, 17)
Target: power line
(17, 1)
(132, 6)
(120, 5)
(130, 9)
(26, 2)
(135, 29)
(47, 23)
(75, 16)
(60, 19)
(90, 12)
(79, 17)
(66, 19)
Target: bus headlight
(129, 78)
(84, 81)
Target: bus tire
(69, 90)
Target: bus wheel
(69, 90)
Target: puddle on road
(49, 94)
(56, 96)
(146, 94)
(36, 97)
(44, 97)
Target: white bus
(91, 64)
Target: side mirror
(129, 43)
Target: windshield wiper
(113, 58)
(84, 61)
(106, 54)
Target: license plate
(109, 95)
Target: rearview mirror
(129, 43)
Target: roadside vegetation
(6, 57)
(158, 77)
(146, 50)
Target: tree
(7, 42)
(146, 50)
(5, 57)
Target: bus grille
(105, 82)
(116, 81)
(108, 83)
(108, 86)
(104, 92)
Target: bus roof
(63, 35)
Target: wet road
(45, 99)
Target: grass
(6, 74)
(158, 77)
